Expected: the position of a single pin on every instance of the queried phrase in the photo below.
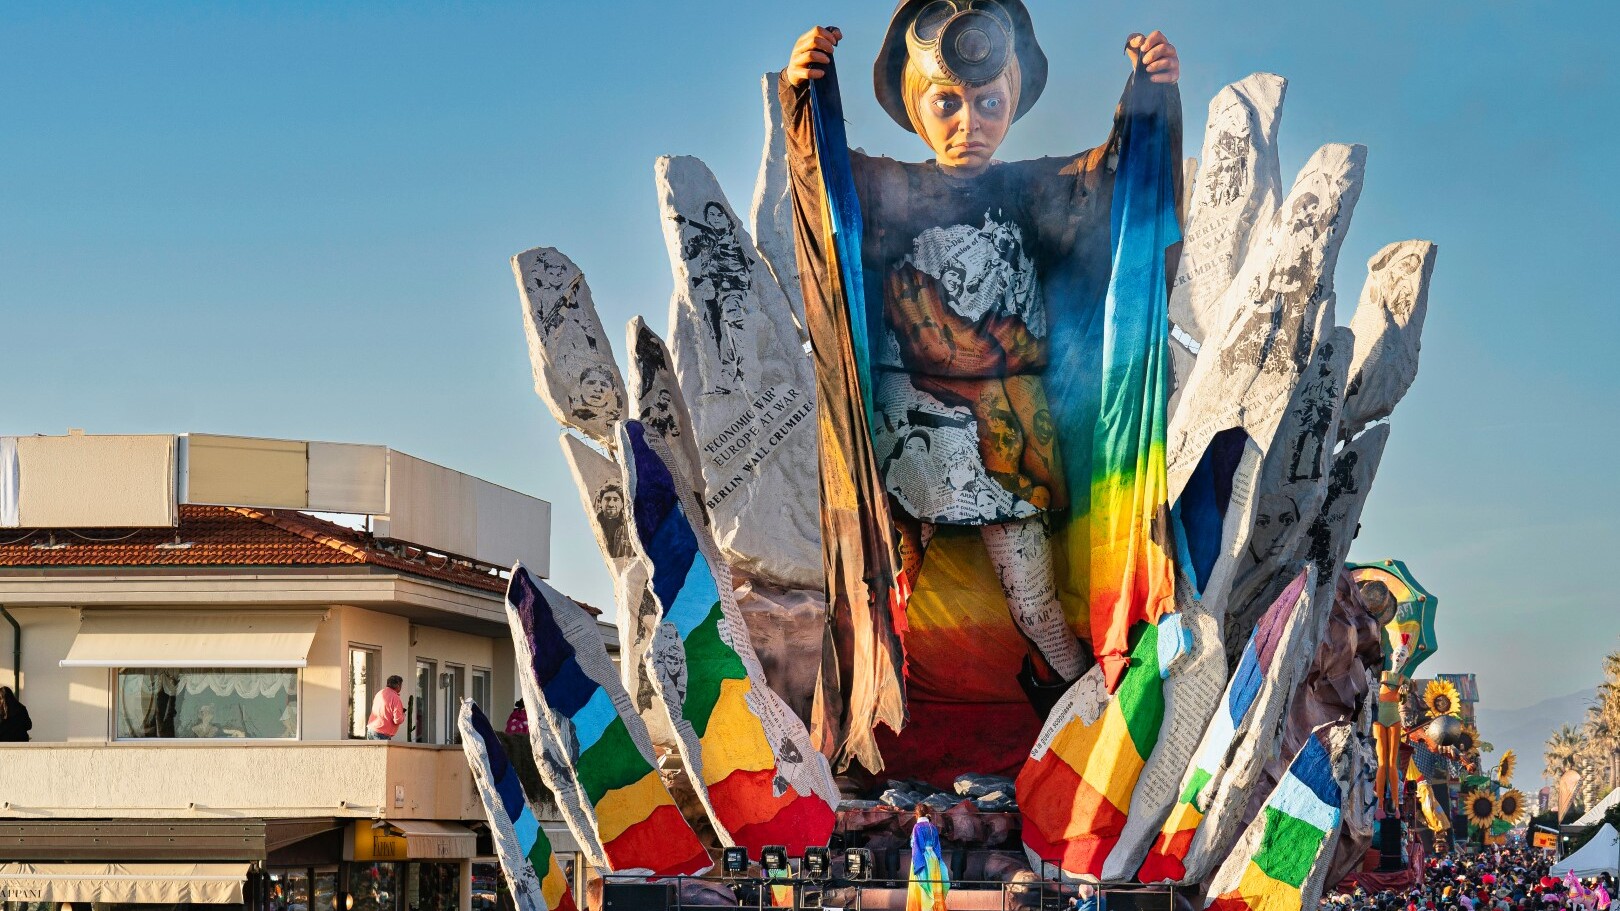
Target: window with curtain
(207, 703)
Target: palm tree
(1562, 751)
(1611, 665)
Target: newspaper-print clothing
(963, 434)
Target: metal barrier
(1053, 895)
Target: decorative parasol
(1408, 636)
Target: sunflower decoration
(1441, 698)
(1480, 808)
(1505, 767)
(1467, 741)
(1510, 807)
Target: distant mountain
(1525, 732)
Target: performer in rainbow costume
(929, 882)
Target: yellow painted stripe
(621, 808)
(735, 739)
(1103, 754)
(554, 886)
(1262, 893)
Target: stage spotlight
(734, 862)
(774, 857)
(858, 864)
(817, 864)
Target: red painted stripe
(662, 842)
(756, 818)
(1066, 820)
(1164, 860)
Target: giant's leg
(1388, 737)
(1022, 554)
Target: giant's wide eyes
(991, 104)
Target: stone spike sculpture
(534, 879)
(748, 757)
(1361, 807)
(657, 401)
(574, 370)
(1240, 739)
(1327, 540)
(747, 381)
(611, 795)
(1192, 690)
(1280, 861)
(770, 218)
(1388, 324)
(1237, 188)
(600, 482)
(1292, 482)
(1265, 334)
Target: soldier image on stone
(610, 518)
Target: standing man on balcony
(387, 711)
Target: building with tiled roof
(201, 648)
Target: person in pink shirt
(518, 721)
(387, 711)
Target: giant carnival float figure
(1045, 469)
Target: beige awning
(180, 639)
(215, 884)
(426, 839)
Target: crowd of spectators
(1492, 879)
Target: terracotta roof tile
(233, 536)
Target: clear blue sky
(294, 219)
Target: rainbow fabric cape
(1075, 789)
(533, 875)
(746, 752)
(1241, 737)
(575, 695)
(929, 882)
(1278, 865)
(859, 551)
(1132, 579)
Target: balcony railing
(202, 779)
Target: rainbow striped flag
(533, 875)
(1281, 860)
(748, 755)
(929, 883)
(1132, 579)
(1241, 737)
(1075, 790)
(610, 787)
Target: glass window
(482, 687)
(326, 890)
(455, 687)
(374, 887)
(422, 701)
(489, 888)
(363, 686)
(433, 887)
(195, 703)
(288, 890)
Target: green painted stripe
(1141, 692)
(1288, 848)
(1195, 787)
(612, 762)
(540, 856)
(709, 661)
